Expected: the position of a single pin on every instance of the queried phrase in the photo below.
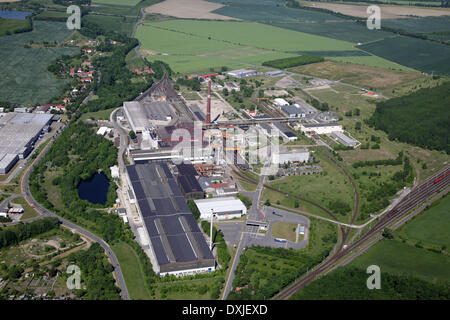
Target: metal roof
(174, 235)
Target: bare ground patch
(190, 9)
(387, 12)
(358, 74)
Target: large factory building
(18, 133)
(177, 245)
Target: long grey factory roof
(17, 130)
(173, 231)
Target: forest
(293, 61)
(14, 234)
(79, 153)
(421, 118)
(96, 273)
(349, 283)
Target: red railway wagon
(439, 179)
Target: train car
(439, 179)
(280, 240)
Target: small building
(224, 208)
(284, 131)
(342, 138)
(292, 111)
(280, 102)
(22, 110)
(102, 131)
(206, 185)
(131, 196)
(275, 73)
(232, 86)
(321, 128)
(242, 73)
(114, 172)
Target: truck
(280, 240)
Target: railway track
(415, 197)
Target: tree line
(293, 61)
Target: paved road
(46, 213)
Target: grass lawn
(322, 188)
(98, 115)
(431, 226)
(28, 211)
(132, 271)
(284, 230)
(396, 257)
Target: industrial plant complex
(18, 134)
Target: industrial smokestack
(208, 105)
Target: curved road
(46, 213)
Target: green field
(398, 258)
(431, 226)
(132, 272)
(25, 78)
(372, 61)
(9, 26)
(189, 45)
(415, 53)
(309, 21)
(130, 3)
(112, 23)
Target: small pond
(94, 190)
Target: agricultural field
(113, 23)
(420, 25)
(190, 9)
(317, 23)
(9, 26)
(199, 45)
(130, 3)
(25, 81)
(389, 12)
(402, 259)
(415, 53)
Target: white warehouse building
(224, 208)
(291, 157)
(280, 102)
(321, 128)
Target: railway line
(417, 195)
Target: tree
(132, 135)
(267, 203)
